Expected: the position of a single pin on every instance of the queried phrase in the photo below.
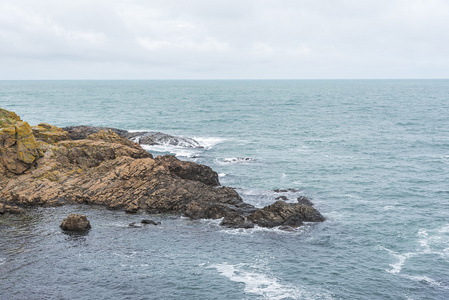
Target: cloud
(224, 39)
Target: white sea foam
(401, 258)
(208, 142)
(428, 280)
(257, 229)
(178, 151)
(263, 284)
(2, 261)
(222, 174)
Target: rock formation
(75, 222)
(47, 166)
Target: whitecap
(177, 151)
(2, 261)
(401, 258)
(209, 142)
(427, 280)
(262, 284)
(222, 174)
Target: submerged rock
(151, 222)
(75, 222)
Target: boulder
(151, 222)
(282, 213)
(236, 221)
(75, 222)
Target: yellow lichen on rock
(49, 134)
(18, 147)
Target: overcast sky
(211, 39)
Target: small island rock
(75, 222)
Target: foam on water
(209, 142)
(262, 284)
(429, 281)
(177, 151)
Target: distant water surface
(372, 154)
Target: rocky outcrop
(18, 148)
(48, 166)
(142, 137)
(75, 222)
(281, 213)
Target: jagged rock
(81, 132)
(236, 221)
(49, 134)
(303, 200)
(145, 137)
(281, 213)
(159, 138)
(151, 222)
(18, 147)
(75, 222)
(281, 198)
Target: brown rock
(281, 213)
(75, 222)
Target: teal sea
(373, 155)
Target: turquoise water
(372, 154)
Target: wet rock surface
(47, 166)
(75, 222)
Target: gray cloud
(96, 39)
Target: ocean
(373, 155)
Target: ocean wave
(209, 142)
(177, 151)
(262, 284)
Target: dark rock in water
(134, 225)
(303, 200)
(236, 221)
(286, 190)
(281, 213)
(281, 198)
(146, 221)
(75, 222)
(159, 138)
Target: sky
(211, 39)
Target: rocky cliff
(44, 165)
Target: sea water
(373, 155)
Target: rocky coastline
(44, 165)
